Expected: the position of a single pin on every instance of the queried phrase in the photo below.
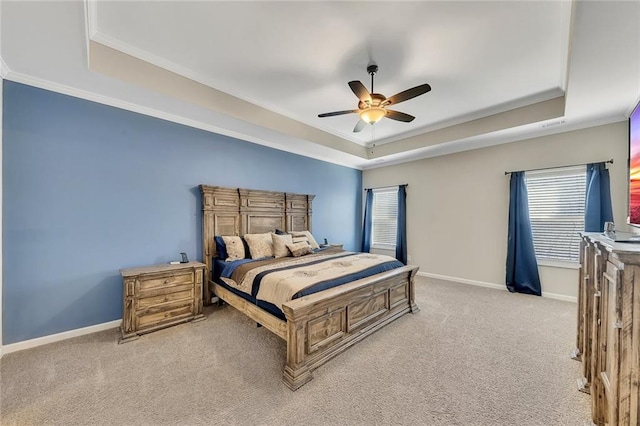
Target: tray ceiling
(263, 71)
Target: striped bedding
(277, 281)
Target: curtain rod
(384, 187)
(555, 167)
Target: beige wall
(457, 205)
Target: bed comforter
(277, 281)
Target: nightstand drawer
(159, 296)
(161, 315)
(151, 282)
(161, 291)
(146, 302)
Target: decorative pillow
(312, 242)
(221, 248)
(260, 245)
(280, 245)
(300, 239)
(235, 248)
(299, 249)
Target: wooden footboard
(323, 325)
(319, 326)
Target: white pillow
(280, 245)
(299, 249)
(260, 245)
(235, 248)
(312, 242)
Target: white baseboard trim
(44, 340)
(556, 296)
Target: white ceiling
(294, 59)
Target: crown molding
(488, 140)
(129, 106)
(632, 107)
(146, 56)
(547, 95)
(90, 8)
(91, 17)
(4, 69)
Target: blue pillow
(221, 247)
(247, 253)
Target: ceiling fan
(372, 107)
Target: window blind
(385, 217)
(556, 209)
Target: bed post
(412, 292)
(296, 372)
(207, 238)
(220, 216)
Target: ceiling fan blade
(331, 114)
(399, 116)
(360, 91)
(408, 94)
(359, 126)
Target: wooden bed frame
(321, 325)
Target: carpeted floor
(471, 356)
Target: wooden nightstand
(159, 296)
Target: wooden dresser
(159, 296)
(608, 335)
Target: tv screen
(634, 167)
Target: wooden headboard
(239, 211)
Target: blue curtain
(401, 234)
(366, 227)
(597, 209)
(522, 267)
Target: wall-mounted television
(634, 167)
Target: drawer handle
(166, 281)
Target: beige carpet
(471, 356)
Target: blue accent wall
(89, 189)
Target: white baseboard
(27, 344)
(39, 341)
(501, 287)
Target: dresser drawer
(164, 314)
(152, 282)
(146, 302)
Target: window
(556, 209)
(385, 218)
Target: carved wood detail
(319, 326)
(239, 211)
(158, 296)
(610, 328)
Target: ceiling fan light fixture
(372, 114)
